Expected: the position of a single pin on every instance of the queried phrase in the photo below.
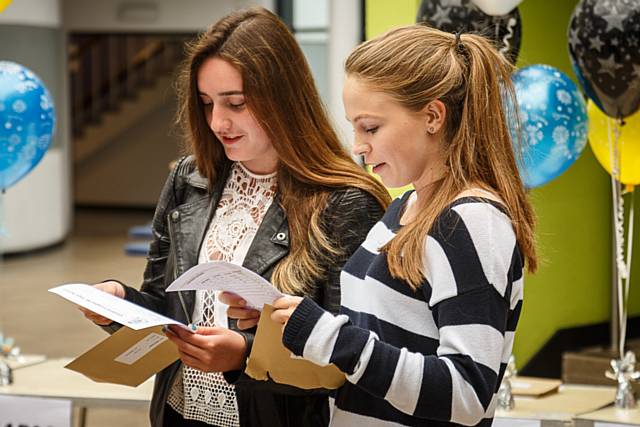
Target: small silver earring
(432, 131)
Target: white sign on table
(515, 422)
(18, 411)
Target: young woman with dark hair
(269, 186)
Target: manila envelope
(270, 359)
(127, 357)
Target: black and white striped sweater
(433, 357)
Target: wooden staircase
(116, 80)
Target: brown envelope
(269, 359)
(140, 354)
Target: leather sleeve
(151, 294)
(348, 218)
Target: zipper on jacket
(175, 269)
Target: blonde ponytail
(416, 65)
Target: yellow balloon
(629, 143)
(4, 4)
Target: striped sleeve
(468, 260)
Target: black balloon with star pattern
(464, 16)
(604, 46)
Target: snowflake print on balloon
(553, 121)
(533, 134)
(27, 120)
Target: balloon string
(618, 229)
(618, 201)
(505, 40)
(623, 325)
(624, 293)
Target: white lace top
(203, 396)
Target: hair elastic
(457, 34)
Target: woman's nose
(359, 148)
(219, 122)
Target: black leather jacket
(185, 209)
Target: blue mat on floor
(137, 248)
(141, 232)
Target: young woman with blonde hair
(431, 299)
(268, 186)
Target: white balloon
(496, 7)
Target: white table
(555, 409)
(610, 416)
(25, 360)
(51, 380)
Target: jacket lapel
(271, 242)
(194, 219)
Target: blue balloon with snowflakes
(554, 123)
(27, 122)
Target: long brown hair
(416, 65)
(281, 94)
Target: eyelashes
(230, 105)
(372, 130)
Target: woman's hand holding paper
(247, 318)
(284, 307)
(209, 349)
(111, 287)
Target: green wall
(572, 285)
